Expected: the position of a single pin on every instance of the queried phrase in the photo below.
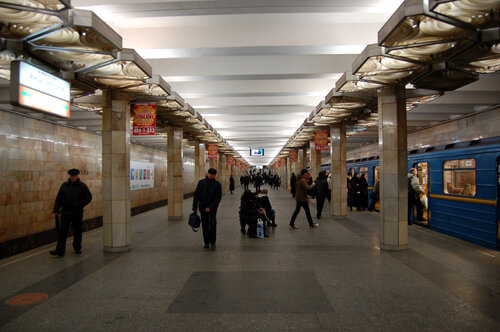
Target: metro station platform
(326, 279)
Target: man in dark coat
(293, 186)
(321, 193)
(207, 195)
(72, 197)
(231, 184)
(301, 198)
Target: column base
(116, 249)
(175, 218)
(391, 247)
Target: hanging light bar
(84, 42)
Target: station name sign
(36, 89)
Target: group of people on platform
(258, 179)
(256, 207)
(74, 195)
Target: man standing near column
(207, 195)
(72, 197)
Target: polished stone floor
(334, 278)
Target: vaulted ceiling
(256, 69)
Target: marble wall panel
(34, 159)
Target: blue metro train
(462, 183)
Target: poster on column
(293, 155)
(212, 151)
(283, 162)
(230, 160)
(321, 140)
(144, 119)
(238, 163)
(141, 175)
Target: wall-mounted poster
(293, 155)
(230, 160)
(141, 175)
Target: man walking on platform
(207, 195)
(72, 197)
(302, 200)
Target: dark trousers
(320, 202)
(414, 202)
(305, 205)
(209, 225)
(66, 219)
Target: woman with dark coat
(321, 192)
(293, 186)
(354, 191)
(231, 183)
(250, 211)
(363, 188)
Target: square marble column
(286, 180)
(222, 172)
(339, 170)
(315, 160)
(301, 155)
(116, 171)
(213, 163)
(393, 168)
(175, 183)
(200, 168)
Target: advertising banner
(230, 160)
(321, 140)
(238, 163)
(294, 156)
(212, 151)
(141, 175)
(283, 162)
(144, 119)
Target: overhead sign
(141, 175)
(256, 152)
(144, 119)
(321, 140)
(36, 89)
(212, 151)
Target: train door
(498, 203)
(376, 177)
(423, 178)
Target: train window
(459, 177)
(363, 170)
(376, 175)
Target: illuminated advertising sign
(33, 88)
(144, 122)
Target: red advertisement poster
(230, 160)
(238, 163)
(212, 151)
(283, 162)
(144, 119)
(321, 140)
(293, 155)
